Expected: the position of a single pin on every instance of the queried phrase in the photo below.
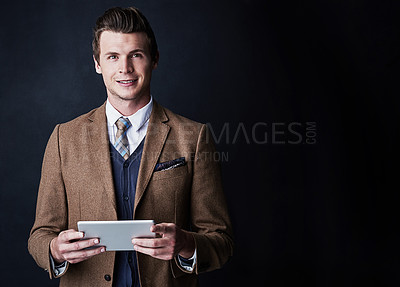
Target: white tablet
(116, 235)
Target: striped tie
(121, 140)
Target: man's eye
(112, 57)
(137, 55)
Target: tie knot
(123, 123)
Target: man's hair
(123, 20)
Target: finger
(70, 234)
(78, 245)
(162, 228)
(83, 244)
(81, 255)
(165, 253)
(151, 242)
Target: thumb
(161, 228)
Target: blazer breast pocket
(179, 170)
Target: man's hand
(67, 246)
(173, 241)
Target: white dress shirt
(139, 122)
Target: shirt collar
(137, 120)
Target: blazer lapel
(100, 151)
(156, 136)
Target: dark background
(322, 214)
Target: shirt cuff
(58, 270)
(188, 264)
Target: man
(130, 159)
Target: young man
(130, 159)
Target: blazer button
(107, 277)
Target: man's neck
(129, 107)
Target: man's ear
(96, 66)
(155, 61)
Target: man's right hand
(67, 246)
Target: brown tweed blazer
(77, 184)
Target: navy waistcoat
(125, 173)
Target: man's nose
(126, 65)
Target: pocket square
(170, 164)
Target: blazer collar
(156, 136)
(100, 151)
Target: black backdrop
(301, 97)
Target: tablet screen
(116, 235)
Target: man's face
(126, 65)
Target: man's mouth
(127, 83)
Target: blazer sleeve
(51, 209)
(210, 224)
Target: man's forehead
(118, 40)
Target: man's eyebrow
(111, 53)
(136, 50)
(131, 52)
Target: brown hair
(123, 20)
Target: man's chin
(127, 97)
(124, 97)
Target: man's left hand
(173, 241)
